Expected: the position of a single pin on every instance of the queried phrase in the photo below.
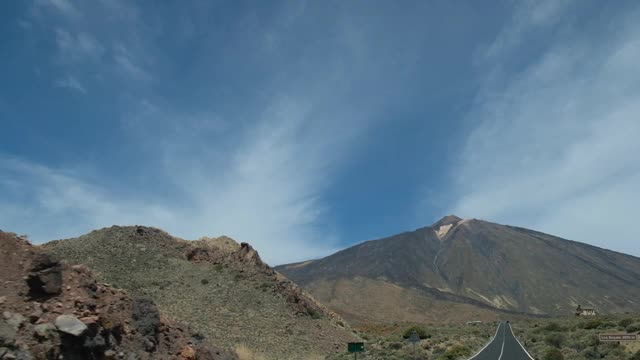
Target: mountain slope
(476, 265)
(217, 286)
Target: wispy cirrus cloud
(529, 16)
(64, 7)
(80, 47)
(554, 146)
(265, 189)
(52, 198)
(70, 82)
(129, 65)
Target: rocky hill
(217, 286)
(464, 269)
(54, 311)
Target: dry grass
(244, 353)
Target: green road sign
(355, 347)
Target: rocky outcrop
(52, 310)
(246, 260)
(45, 278)
(221, 288)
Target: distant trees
(422, 332)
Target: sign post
(414, 339)
(618, 337)
(355, 348)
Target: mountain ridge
(221, 288)
(509, 269)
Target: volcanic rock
(71, 325)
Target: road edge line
(504, 341)
(519, 343)
(488, 343)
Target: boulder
(7, 334)
(44, 331)
(146, 317)
(45, 278)
(70, 324)
(188, 353)
(14, 319)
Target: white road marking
(525, 350)
(504, 340)
(488, 343)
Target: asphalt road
(503, 346)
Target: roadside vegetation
(446, 342)
(577, 338)
(567, 338)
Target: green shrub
(554, 326)
(422, 332)
(553, 354)
(607, 325)
(635, 356)
(315, 314)
(591, 353)
(593, 324)
(593, 340)
(633, 328)
(555, 340)
(456, 352)
(625, 322)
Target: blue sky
(304, 127)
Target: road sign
(414, 338)
(355, 347)
(618, 337)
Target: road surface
(503, 346)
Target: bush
(553, 354)
(422, 332)
(593, 324)
(635, 356)
(315, 314)
(633, 328)
(456, 352)
(555, 340)
(625, 322)
(591, 353)
(554, 326)
(593, 340)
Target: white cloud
(52, 203)
(70, 82)
(64, 7)
(265, 189)
(79, 47)
(127, 63)
(529, 15)
(555, 148)
(258, 176)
